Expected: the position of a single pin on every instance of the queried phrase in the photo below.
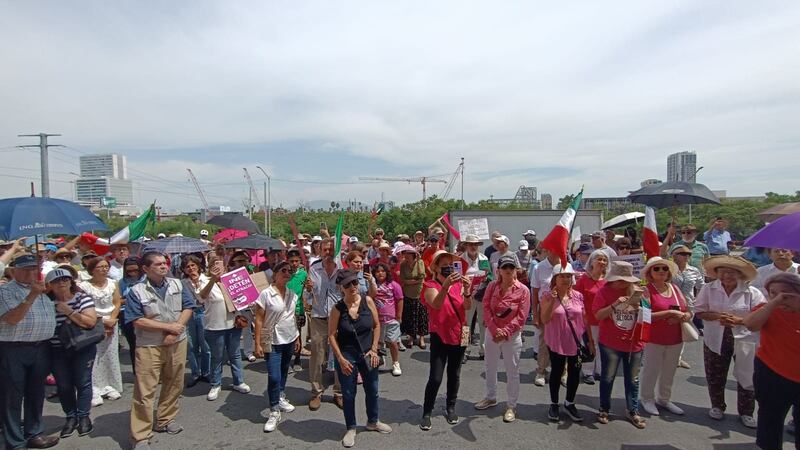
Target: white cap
(161, 235)
(502, 238)
(352, 239)
(203, 232)
(316, 238)
(523, 244)
(529, 233)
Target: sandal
(637, 420)
(602, 417)
(422, 344)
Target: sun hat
(316, 238)
(681, 249)
(621, 271)
(438, 254)
(472, 239)
(656, 261)
(385, 245)
(63, 251)
(745, 267)
(406, 248)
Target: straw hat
(621, 271)
(745, 267)
(472, 239)
(439, 254)
(659, 261)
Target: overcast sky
(530, 93)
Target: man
(159, 308)
(501, 245)
(584, 250)
(8, 250)
(781, 262)
(376, 240)
(419, 241)
(523, 254)
(382, 256)
(491, 249)
(27, 322)
(530, 236)
(46, 254)
(599, 243)
(539, 282)
(204, 237)
(479, 272)
(717, 237)
(296, 284)
(322, 294)
(119, 253)
(689, 240)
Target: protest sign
(240, 289)
(474, 226)
(637, 261)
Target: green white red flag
(557, 240)
(133, 231)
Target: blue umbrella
(26, 216)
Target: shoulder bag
(688, 331)
(75, 338)
(464, 341)
(584, 353)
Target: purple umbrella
(783, 233)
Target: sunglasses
(351, 284)
(240, 261)
(660, 269)
(687, 232)
(623, 247)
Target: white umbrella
(622, 220)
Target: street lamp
(693, 180)
(268, 201)
(74, 186)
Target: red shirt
(446, 322)
(588, 286)
(661, 331)
(620, 330)
(779, 347)
(514, 306)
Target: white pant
(660, 365)
(744, 353)
(594, 366)
(479, 326)
(511, 350)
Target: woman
(506, 304)
(412, 275)
(623, 246)
(447, 299)
(131, 274)
(588, 284)
(72, 368)
(219, 333)
(663, 350)
(777, 363)
(106, 376)
(722, 306)
(636, 244)
(616, 308)
(389, 301)
(197, 348)
(238, 259)
(353, 331)
(689, 280)
(355, 261)
(563, 311)
(277, 339)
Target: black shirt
(354, 336)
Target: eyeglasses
(285, 270)
(240, 261)
(660, 269)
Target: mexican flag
(645, 319)
(133, 231)
(650, 242)
(377, 211)
(337, 251)
(558, 239)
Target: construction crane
(423, 180)
(453, 178)
(255, 194)
(205, 214)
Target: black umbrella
(235, 221)
(673, 193)
(256, 242)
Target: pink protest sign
(240, 288)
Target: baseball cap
(161, 235)
(316, 238)
(56, 274)
(352, 239)
(25, 260)
(598, 234)
(346, 276)
(529, 233)
(585, 249)
(203, 232)
(523, 244)
(502, 238)
(506, 261)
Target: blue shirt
(717, 241)
(133, 304)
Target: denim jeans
(224, 342)
(278, 361)
(631, 363)
(349, 388)
(23, 368)
(73, 372)
(199, 352)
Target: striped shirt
(39, 322)
(80, 302)
(689, 281)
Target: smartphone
(636, 297)
(447, 270)
(674, 308)
(323, 226)
(457, 267)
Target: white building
(681, 166)
(104, 175)
(650, 182)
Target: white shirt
(712, 298)
(764, 272)
(541, 276)
(115, 270)
(103, 297)
(279, 314)
(217, 317)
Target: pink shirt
(588, 286)
(557, 334)
(661, 331)
(446, 322)
(513, 305)
(386, 301)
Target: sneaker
(671, 407)
(396, 371)
(748, 421)
(285, 406)
(450, 415)
(213, 393)
(97, 401)
(649, 406)
(425, 423)
(510, 415)
(538, 380)
(113, 395)
(272, 421)
(142, 445)
(572, 412)
(251, 357)
(683, 364)
(564, 380)
(553, 414)
(380, 427)
(171, 428)
(401, 347)
(588, 379)
(349, 438)
(485, 404)
(716, 413)
(241, 388)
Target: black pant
(557, 362)
(22, 373)
(443, 355)
(775, 395)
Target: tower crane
(453, 178)
(423, 180)
(255, 194)
(205, 214)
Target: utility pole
(45, 164)
(268, 201)
(463, 205)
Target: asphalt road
(235, 421)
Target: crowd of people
(62, 310)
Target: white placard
(636, 260)
(474, 226)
